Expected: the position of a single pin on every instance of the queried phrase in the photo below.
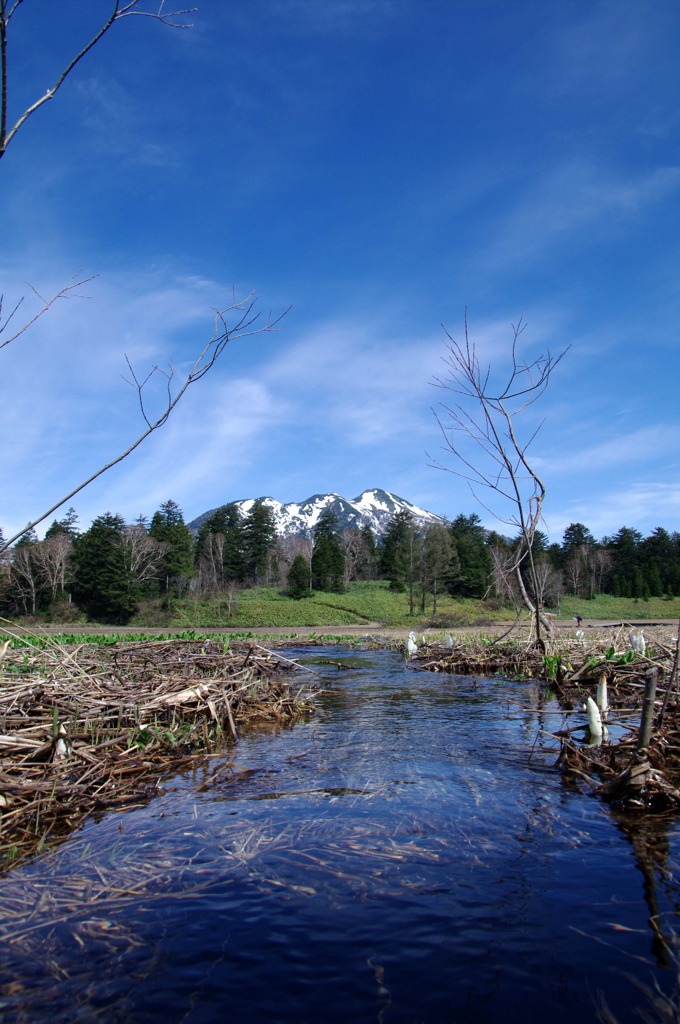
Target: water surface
(410, 855)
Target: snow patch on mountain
(374, 508)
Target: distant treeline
(108, 570)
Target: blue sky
(381, 166)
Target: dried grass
(632, 780)
(88, 728)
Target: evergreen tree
(103, 585)
(298, 578)
(259, 537)
(327, 525)
(68, 525)
(400, 557)
(4, 572)
(625, 549)
(638, 588)
(26, 540)
(575, 536)
(471, 568)
(661, 563)
(395, 557)
(555, 556)
(328, 565)
(436, 556)
(168, 526)
(539, 544)
(653, 581)
(671, 580)
(328, 560)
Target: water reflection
(651, 844)
(409, 855)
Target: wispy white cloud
(115, 124)
(215, 436)
(598, 49)
(620, 452)
(372, 386)
(65, 403)
(576, 200)
(496, 175)
(642, 505)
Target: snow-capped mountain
(374, 507)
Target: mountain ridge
(373, 507)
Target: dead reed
(88, 728)
(634, 778)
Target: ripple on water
(399, 858)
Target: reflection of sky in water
(398, 857)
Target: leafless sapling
(480, 430)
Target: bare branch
(75, 282)
(167, 18)
(246, 325)
(121, 9)
(247, 319)
(485, 417)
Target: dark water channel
(410, 855)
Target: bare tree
(51, 558)
(25, 578)
(601, 564)
(292, 546)
(548, 582)
(14, 330)
(143, 554)
(354, 548)
(211, 564)
(503, 575)
(231, 597)
(575, 570)
(485, 414)
(573, 573)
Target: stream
(410, 854)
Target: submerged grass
(633, 777)
(86, 726)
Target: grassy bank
(374, 602)
(625, 609)
(366, 604)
